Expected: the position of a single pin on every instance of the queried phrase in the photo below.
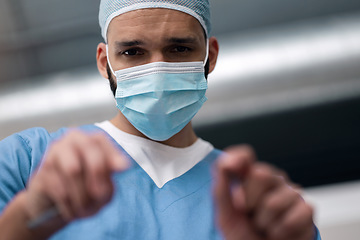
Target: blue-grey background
(43, 36)
(287, 82)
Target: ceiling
(40, 37)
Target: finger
(69, 166)
(55, 189)
(274, 205)
(115, 159)
(259, 182)
(295, 223)
(98, 172)
(238, 197)
(96, 184)
(84, 162)
(230, 168)
(236, 162)
(97, 157)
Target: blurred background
(287, 82)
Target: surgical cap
(109, 9)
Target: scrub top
(181, 209)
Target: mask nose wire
(108, 60)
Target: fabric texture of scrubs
(181, 209)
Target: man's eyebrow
(182, 40)
(130, 43)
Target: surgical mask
(159, 99)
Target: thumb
(118, 161)
(230, 172)
(115, 159)
(238, 196)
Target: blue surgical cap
(109, 9)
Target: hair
(112, 81)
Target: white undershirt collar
(161, 162)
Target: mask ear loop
(207, 52)
(108, 60)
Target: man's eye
(181, 49)
(132, 52)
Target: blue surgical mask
(159, 99)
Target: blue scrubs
(182, 209)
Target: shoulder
(31, 138)
(20, 155)
(25, 139)
(39, 134)
(33, 142)
(26, 148)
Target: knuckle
(288, 226)
(248, 149)
(55, 148)
(263, 174)
(248, 152)
(96, 171)
(292, 194)
(272, 205)
(244, 150)
(308, 212)
(74, 136)
(100, 136)
(278, 232)
(47, 165)
(74, 170)
(95, 151)
(73, 133)
(94, 160)
(60, 196)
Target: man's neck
(185, 138)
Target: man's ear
(101, 60)
(213, 53)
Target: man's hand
(75, 177)
(254, 202)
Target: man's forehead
(159, 14)
(176, 26)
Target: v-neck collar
(162, 163)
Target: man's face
(154, 35)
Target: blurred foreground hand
(255, 201)
(75, 177)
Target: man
(145, 174)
